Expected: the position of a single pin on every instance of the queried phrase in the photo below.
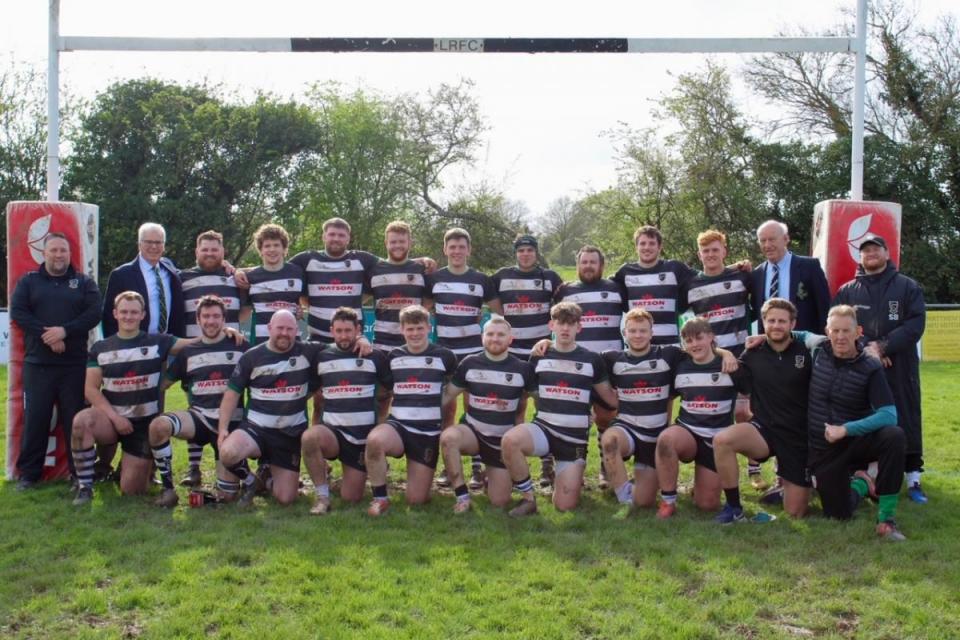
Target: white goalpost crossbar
(855, 45)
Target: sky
(547, 112)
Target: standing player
(777, 375)
(496, 383)
(204, 369)
(707, 397)
(124, 392)
(566, 376)
(395, 283)
(276, 284)
(601, 302)
(277, 374)
(419, 370)
(348, 389)
(208, 277)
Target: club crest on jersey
(289, 283)
(143, 351)
(715, 377)
(662, 276)
(292, 361)
(230, 355)
(359, 362)
(537, 283)
(579, 365)
(798, 361)
(893, 307)
(652, 364)
(223, 279)
(472, 287)
(727, 284)
(509, 377)
(409, 277)
(346, 263)
(73, 283)
(604, 294)
(429, 360)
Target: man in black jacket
(892, 313)
(56, 307)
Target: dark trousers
(831, 468)
(44, 386)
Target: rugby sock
(887, 507)
(524, 486)
(625, 492)
(242, 471)
(733, 497)
(860, 487)
(476, 464)
(753, 469)
(163, 457)
(195, 453)
(670, 497)
(83, 460)
(913, 477)
(322, 490)
(462, 492)
(227, 487)
(380, 491)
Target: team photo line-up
(840, 412)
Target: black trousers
(830, 468)
(43, 387)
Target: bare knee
(610, 445)
(710, 502)
(160, 430)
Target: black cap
(872, 238)
(525, 241)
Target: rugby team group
(829, 388)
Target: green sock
(888, 507)
(859, 485)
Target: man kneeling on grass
(278, 375)
(345, 409)
(852, 422)
(418, 372)
(496, 383)
(707, 403)
(565, 377)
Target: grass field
(124, 569)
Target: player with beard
(394, 283)
(204, 369)
(496, 383)
(777, 375)
(418, 372)
(566, 377)
(345, 410)
(209, 277)
(278, 375)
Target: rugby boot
(523, 508)
(321, 507)
(887, 530)
(84, 496)
(192, 478)
(167, 498)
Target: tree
(564, 228)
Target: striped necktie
(161, 291)
(775, 283)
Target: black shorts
(278, 447)
(704, 455)
(791, 458)
(351, 455)
(644, 451)
(202, 433)
(562, 450)
(416, 446)
(137, 442)
(490, 452)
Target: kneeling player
(123, 389)
(277, 374)
(204, 368)
(777, 375)
(707, 403)
(496, 384)
(419, 370)
(565, 377)
(345, 410)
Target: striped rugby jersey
(724, 300)
(393, 286)
(349, 384)
(658, 290)
(131, 369)
(457, 304)
(602, 306)
(417, 381)
(204, 371)
(495, 389)
(526, 297)
(331, 283)
(564, 383)
(197, 283)
(707, 396)
(644, 386)
(279, 385)
(271, 291)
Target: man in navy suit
(155, 278)
(784, 274)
